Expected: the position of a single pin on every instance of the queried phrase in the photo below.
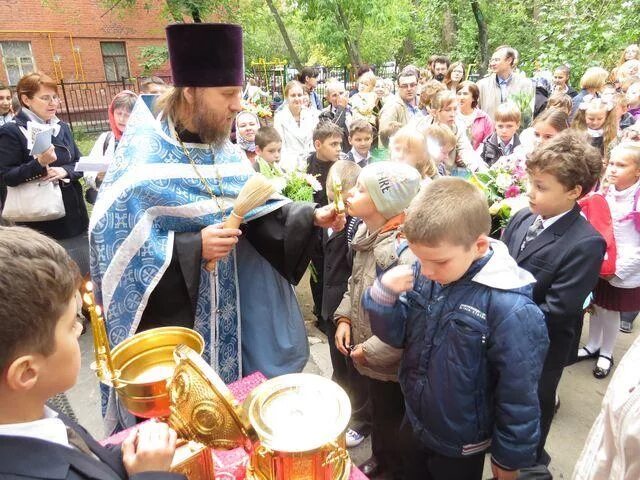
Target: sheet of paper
(38, 137)
(93, 164)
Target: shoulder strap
(107, 139)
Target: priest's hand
(327, 217)
(149, 448)
(217, 242)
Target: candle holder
(103, 364)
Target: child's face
(622, 171)
(548, 197)
(448, 262)
(271, 152)
(633, 94)
(506, 130)
(543, 132)
(447, 114)
(399, 151)
(595, 118)
(329, 149)
(121, 116)
(359, 202)
(361, 141)
(5, 102)
(60, 369)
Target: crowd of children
(450, 344)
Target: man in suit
(562, 251)
(40, 357)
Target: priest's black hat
(206, 54)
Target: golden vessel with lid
(292, 426)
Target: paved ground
(580, 393)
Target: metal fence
(85, 105)
(274, 78)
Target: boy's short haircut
(388, 132)
(508, 112)
(346, 171)
(448, 209)
(326, 129)
(360, 126)
(267, 135)
(570, 159)
(37, 281)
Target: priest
(158, 221)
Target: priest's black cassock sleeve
(284, 237)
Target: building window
(114, 58)
(18, 60)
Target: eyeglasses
(49, 98)
(404, 86)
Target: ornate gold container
(292, 426)
(202, 407)
(300, 420)
(193, 460)
(145, 363)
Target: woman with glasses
(38, 95)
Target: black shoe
(603, 372)
(556, 407)
(371, 467)
(589, 354)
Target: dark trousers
(316, 283)
(387, 409)
(423, 463)
(547, 387)
(356, 385)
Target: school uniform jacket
(24, 458)
(565, 260)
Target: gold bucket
(145, 363)
(292, 426)
(300, 420)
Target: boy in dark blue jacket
(474, 341)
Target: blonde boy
(39, 358)
(473, 340)
(360, 139)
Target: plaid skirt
(615, 298)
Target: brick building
(76, 40)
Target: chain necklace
(204, 181)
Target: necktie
(533, 231)
(78, 443)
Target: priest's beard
(211, 126)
